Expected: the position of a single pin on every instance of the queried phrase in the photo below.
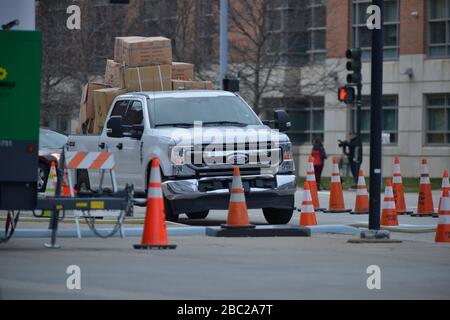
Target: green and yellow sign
(20, 80)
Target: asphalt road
(321, 267)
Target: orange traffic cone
(308, 214)
(50, 188)
(389, 213)
(311, 179)
(445, 186)
(362, 196)
(336, 204)
(155, 232)
(425, 207)
(399, 193)
(443, 228)
(237, 210)
(65, 187)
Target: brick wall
(412, 27)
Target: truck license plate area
(208, 186)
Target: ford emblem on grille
(237, 158)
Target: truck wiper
(230, 123)
(181, 125)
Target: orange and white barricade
(103, 161)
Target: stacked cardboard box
(150, 78)
(147, 52)
(114, 74)
(140, 64)
(87, 106)
(182, 71)
(191, 85)
(118, 47)
(103, 99)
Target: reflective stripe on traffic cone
(155, 232)
(308, 214)
(399, 193)
(50, 188)
(425, 207)
(311, 179)
(445, 186)
(336, 204)
(362, 196)
(389, 213)
(237, 209)
(443, 228)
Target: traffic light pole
(376, 123)
(358, 109)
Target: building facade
(303, 42)
(416, 110)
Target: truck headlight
(177, 155)
(287, 161)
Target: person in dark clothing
(354, 155)
(319, 155)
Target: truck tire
(198, 215)
(278, 216)
(170, 214)
(42, 177)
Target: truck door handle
(119, 146)
(102, 145)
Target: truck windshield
(214, 111)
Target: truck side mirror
(137, 131)
(114, 127)
(282, 121)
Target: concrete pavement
(324, 266)
(321, 267)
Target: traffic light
(346, 94)
(354, 65)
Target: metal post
(54, 227)
(358, 110)
(376, 123)
(223, 40)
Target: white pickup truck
(199, 136)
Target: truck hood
(213, 135)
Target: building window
(317, 30)
(439, 28)
(294, 40)
(307, 117)
(438, 119)
(362, 35)
(390, 118)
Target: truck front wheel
(170, 214)
(198, 215)
(278, 216)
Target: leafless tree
(249, 47)
(260, 60)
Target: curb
(87, 233)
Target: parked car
(50, 148)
